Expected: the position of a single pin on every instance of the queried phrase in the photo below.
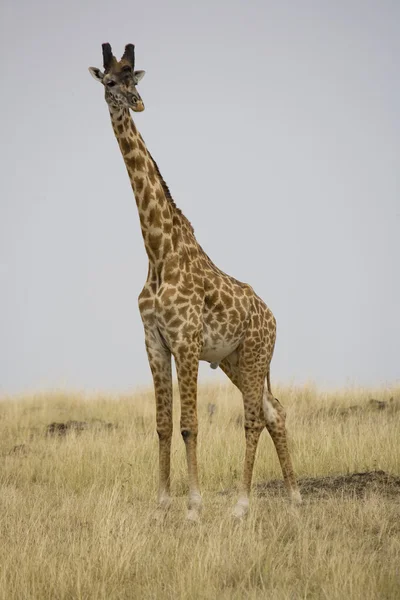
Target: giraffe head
(120, 79)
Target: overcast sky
(276, 126)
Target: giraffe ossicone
(190, 308)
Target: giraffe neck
(160, 219)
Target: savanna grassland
(77, 500)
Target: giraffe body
(191, 309)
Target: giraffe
(191, 309)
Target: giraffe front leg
(160, 364)
(187, 365)
(252, 433)
(251, 385)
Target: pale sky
(276, 125)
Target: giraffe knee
(253, 427)
(188, 434)
(164, 433)
(253, 419)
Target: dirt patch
(61, 429)
(352, 485)
(372, 405)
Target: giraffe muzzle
(138, 106)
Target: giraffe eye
(110, 84)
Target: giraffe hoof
(240, 511)
(193, 516)
(295, 498)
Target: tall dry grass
(76, 510)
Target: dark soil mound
(353, 484)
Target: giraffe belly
(216, 349)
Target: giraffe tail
(268, 380)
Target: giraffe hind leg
(275, 417)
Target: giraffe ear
(96, 74)
(138, 75)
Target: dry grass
(75, 514)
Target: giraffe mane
(169, 196)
